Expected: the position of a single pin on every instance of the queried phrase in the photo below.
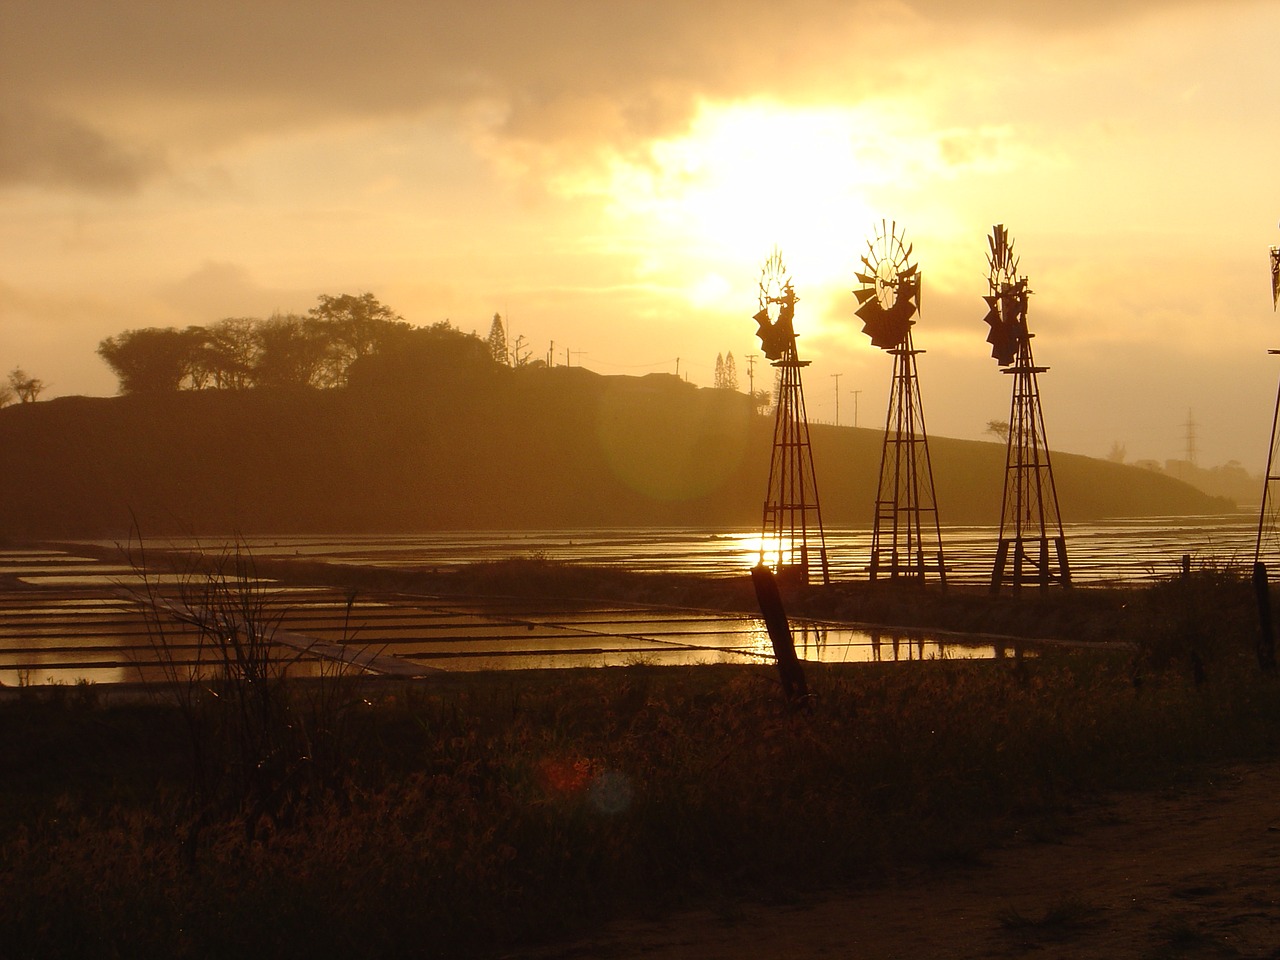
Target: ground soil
(1188, 871)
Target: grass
(467, 815)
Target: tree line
(328, 346)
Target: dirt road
(1192, 871)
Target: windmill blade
(1003, 335)
(1004, 348)
(887, 328)
(864, 294)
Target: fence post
(775, 619)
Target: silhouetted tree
(356, 327)
(427, 359)
(999, 428)
(730, 373)
(151, 360)
(7, 396)
(293, 351)
(718, 380)
(498, 340)
(227, 356)
(1118, 452)
(27, 388)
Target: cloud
(220, 289)
(44, 149)
(551, 71)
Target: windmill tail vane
(1275, 277)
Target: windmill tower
(906, 507)
(1267, 532)
(1029, 519)
(792, 527)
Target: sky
(611, 175)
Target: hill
(514, 449)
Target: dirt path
(1189, 872)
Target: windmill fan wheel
(776, 315)
(890, 293)
(1007, 299)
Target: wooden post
(775, 619)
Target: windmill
(1029, 517)
(1267, 528)
(888, 301)
(792, 514)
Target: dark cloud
(552, 71)
(45, 149)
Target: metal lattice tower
(1267, 548)
(906, 519)
(1032, 547)
(791, 531)
(906, 513)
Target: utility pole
(855, 406)
(551, 354)
(751, 375)
(1191, 438)
(677, 368)
(836, 377)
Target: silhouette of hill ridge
(537, 448)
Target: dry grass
(470, 814)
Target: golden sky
(610, 175)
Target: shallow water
(1119, 551)
(65, 618)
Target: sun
(747, 176)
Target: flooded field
(1119, 551)
(66, 617)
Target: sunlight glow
(751, 175)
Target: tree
(228, 355)
(726, 372)
(356, 327)
(151, 360)
(1118, 452)
(429, 359)
(498, 339)
(26, 388)
(294, 351)
(999, 428)
(7, 395)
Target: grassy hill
(528, 448)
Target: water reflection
(62, 620)
(1128, 551)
